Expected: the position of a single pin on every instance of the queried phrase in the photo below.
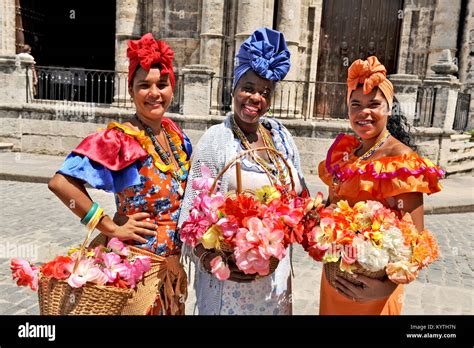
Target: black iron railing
(101, 87)
(291, 99)
(425, 106)
(461, 117)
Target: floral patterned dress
(138, 180)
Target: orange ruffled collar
(342, 163)
(148, 146)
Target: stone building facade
(423, 43)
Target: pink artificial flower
(141, 265)
(271, 239)
(251, 261)
(246, 239)
(211, 204)
(118, 247)
(194, 228)
(86, 271)
(113, 266)
(204, 183)
(229, 227)
(219, 268)
(26, 273)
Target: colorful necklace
(374, 148)
(165, 156)
(277, 175)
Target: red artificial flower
(242, 207)
(57, 268)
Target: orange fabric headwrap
(372, 74)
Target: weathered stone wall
(177, 22)
(415, 37)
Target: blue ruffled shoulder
(98, 176)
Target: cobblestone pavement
(36, 226)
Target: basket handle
(82, 248)
(245, 153)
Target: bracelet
(85, 220)
(95, 219)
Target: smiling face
(151, 92)
(252, 97)
(368, 113)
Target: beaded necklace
(277, 174)
(165, 156)
(374, 148)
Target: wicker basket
(332, 270)
(56, 297)
(225, 247)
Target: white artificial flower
(393, 242)
(370, 257)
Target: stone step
(460, 137)
(461, 168)
(6, 147)
(458, 157)
(462, 147)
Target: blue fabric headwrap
(264, 52)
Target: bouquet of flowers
(254, 229)
(370, 239)
(110, 266)
(102, 280)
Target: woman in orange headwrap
(381, 166)
(144, 162)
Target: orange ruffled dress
(379, 180)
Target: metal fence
(425, 106)
(461, 117)
(100, 87)
(291, 99)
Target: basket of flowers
(251, 228)
(369, 239)
(111, 279)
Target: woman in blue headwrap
(263, 60)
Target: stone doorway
(353, 29)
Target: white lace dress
(270, 295)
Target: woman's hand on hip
(371, 289)
(132, 227)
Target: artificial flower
(58, 268)
(267, 193)
(24, 273)
(402, 272)
(86, 271)
(212, 238)
(219, 268)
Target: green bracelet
(85, 220)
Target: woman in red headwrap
(379, 165)
(145, 163)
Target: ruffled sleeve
(109, 160)
(382, 178)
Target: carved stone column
(128, 24)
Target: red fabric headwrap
(148, 51)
